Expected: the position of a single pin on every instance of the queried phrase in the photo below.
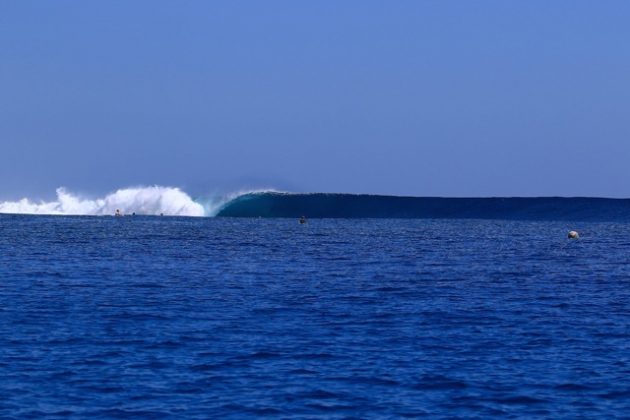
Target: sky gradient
(426, 98)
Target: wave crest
(154, 200)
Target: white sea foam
(141, 200)
(154, 200)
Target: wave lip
(321, 205)
(155, 200)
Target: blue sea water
(151, 317)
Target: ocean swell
(318, 205)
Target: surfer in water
(118, 213)
(302, 220)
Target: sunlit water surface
(195, 318)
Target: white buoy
(573, 235)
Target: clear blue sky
(447, 98)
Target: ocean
(182, 317)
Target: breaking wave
(154, 200)
(318, 205)
(169, 201)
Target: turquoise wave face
(376, 206)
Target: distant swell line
(319, 205)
